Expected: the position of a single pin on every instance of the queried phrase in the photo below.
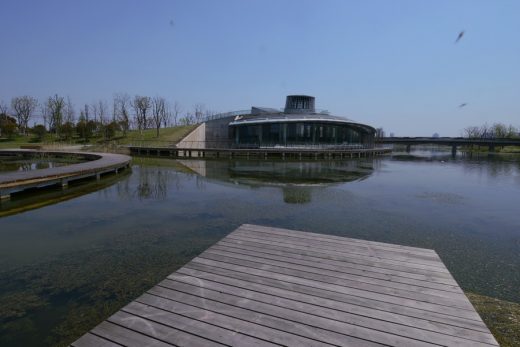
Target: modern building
(299, 124)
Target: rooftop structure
(299, 124)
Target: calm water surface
(65, 266)
(29, 165)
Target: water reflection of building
(299, 124)
(296, 179)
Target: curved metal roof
(303, 117)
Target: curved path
(97, 164)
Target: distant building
(297, 125)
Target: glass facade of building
(299, 134)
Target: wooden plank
(334, 238)
(352, 303)
(324, 329)
(350, 265)
(198, 328)
(426, 306)
(369, 261)
(328, 318)
(367, 290)
(126, 337)
(302, 246)
(89, 340)
(252, 314)
(364, 251)
(324, 241)
(158, 331)
(312, 268)
(312, 262)
(250, 323)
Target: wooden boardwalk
(264, 153)
(264, 286)
(95, 165)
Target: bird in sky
(462, 105)
(460, 36)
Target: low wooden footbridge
(95, 165)
(262, 286)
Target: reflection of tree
(490, 165)
(296, 195)
(153, 184)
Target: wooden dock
(263, 286)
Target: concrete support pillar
(408, 148)
(98, 176)
(453, 151)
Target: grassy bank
(148, 137)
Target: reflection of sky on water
(72, 260)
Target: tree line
(497, 130)
(97, 119)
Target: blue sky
(387, 63)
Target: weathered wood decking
(264, 286)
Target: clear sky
(387, 63)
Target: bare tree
(198, 112)
(23, 107)
(86, 113)
(121, 111)
(3, 114)
(141, 106)
(176, 111)
(94, 111)
(187, 119)
(472, 132)
(55, 108)
(158, 112)
(3, 107)
(44, 110)
(102, 108)
(69, 113)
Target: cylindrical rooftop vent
(299, 104)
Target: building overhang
(302, 119)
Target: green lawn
(18, 141)
(167, 136)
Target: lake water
(68, 265)
(34, 164)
